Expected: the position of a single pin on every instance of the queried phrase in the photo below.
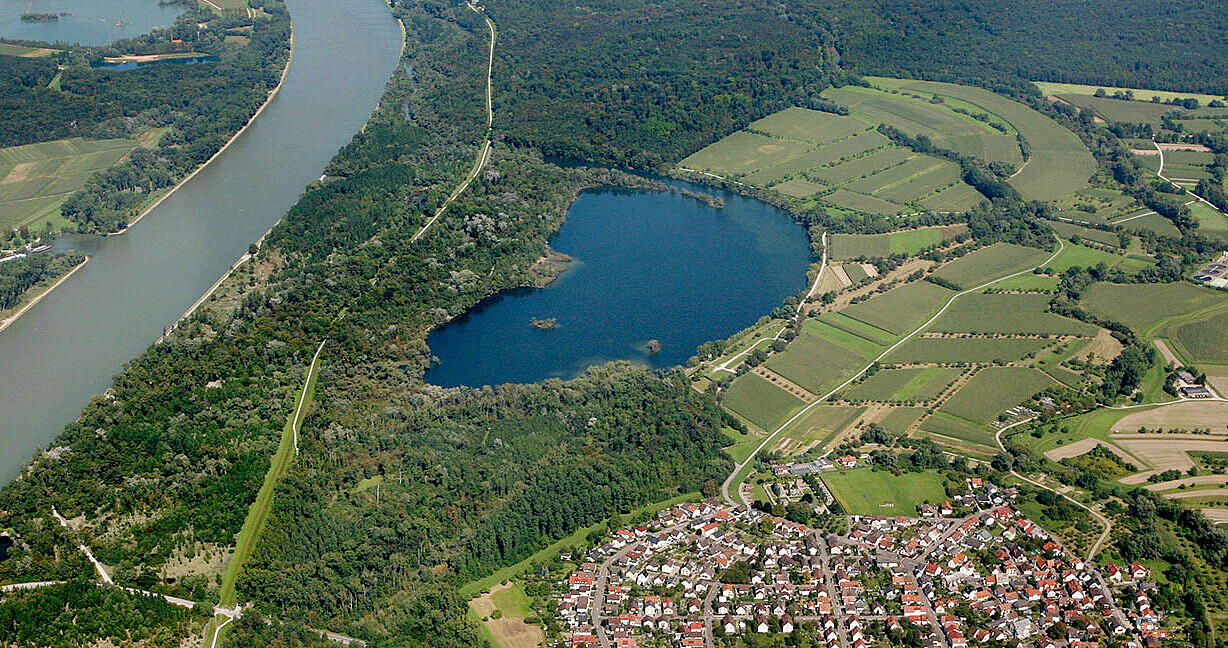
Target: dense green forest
(1170, 44)
(203, 104)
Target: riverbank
(39, 297)
(268, 100)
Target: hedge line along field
(1059, 162)
(35, 179)
(989, 263)
(875, 492)
(954, 349)
(1144, 307)
(912, 384)
(993, 390)
(815, 363)
(870, 246)
(990, 313)
(902, 309)
(760, 402)
(1141, 94)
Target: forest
(20, 275)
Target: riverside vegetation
(402, 492)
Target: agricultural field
(912, 384)
(876, 492)
(1187, 166)
(902, 309)
(763, 404)
(994, 390)
(899, 419)
(1070, 230)
(1186, 415)
(858, 328)
(958, 430)
(854, 246)
(1205, 340)
(843, 162)
(1059, 164)
(965, 350)
(1151, 223)
(35, 179)
(816, 429)
(989, 263)
(851, 341)
(1087, 257)
(1100, 205)
(1147, 307)
(1009, 314)
(1211, 221)
(1028, 282)
(23, 51)
(1049, 88)
(816, 363)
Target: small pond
(84, 22)
(132, 65)
(647, 266)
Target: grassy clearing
(1142, 94)
(1153, 223)
(902, 309)
(35, 179)
(760, 402)
(552, 551)
(949, 350)
(994, 390)
(743, 444)
(874, 492)
(258, 513)
(948, 426)
(818, 427)
(1210, 220)
(1148, 307)
(1007, 313)
(989, 263)
(742, 152)
(10, 49)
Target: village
(972, 573)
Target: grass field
(743, 444)
(1147, 307)
(874, 492)
(1205, 340)
(949, 426)
(852, 246)
(816, 428)
(1059, 162)
(760, 402)
(989, 263)
(1211, 221)
(994, 390)
(1086, 257)
(1117, 109)
(851, 341)
(925, 349)
(917, 384)
(1152, 223)
(902, 309)
(1141, 94)
(10, 49)
(816, 363)
(1007, 313)
(509, 630)
(258, 513)
(1027, 281)
(35, 179)
(899, 419)
(807, 125)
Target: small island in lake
(39, 17)
(545, 324)
(654, 346)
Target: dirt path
(770, 438)
(484, 153)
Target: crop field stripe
(860, 329)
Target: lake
(648, 266)
(90, 22)
(66, 349)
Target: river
(66, 349)
(648, 266)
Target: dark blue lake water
(648, 265)
(88, 22)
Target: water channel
(66, 349)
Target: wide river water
(66, 349)
(648, 266)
